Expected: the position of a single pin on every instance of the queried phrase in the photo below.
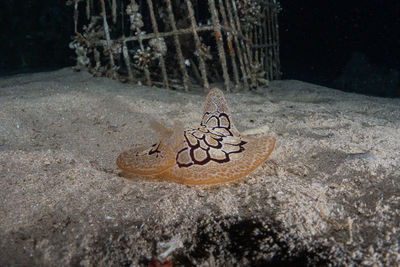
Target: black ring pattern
(217, 133)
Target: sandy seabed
(329, 193)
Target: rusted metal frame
(230, 45)
(181, 59)
(237, 46)
(202, 64)
(107, 35)
(265, 39)
(155, 30)
(220, 44)
(245, 51)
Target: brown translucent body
(211, 153)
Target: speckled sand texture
(329, 193)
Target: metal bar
(245, 49)
(237, 46)
(181, 59)
(155, 29)
(269, 49)
(230, 45)
(267, 64)
(220, 44)
(107, 35)
(140, 41)
(276, 48)
(197, 42)
(261, 42)
(127, 61)
(178, 32)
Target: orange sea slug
(210, 153)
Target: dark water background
(349, 45)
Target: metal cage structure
(179, 43)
